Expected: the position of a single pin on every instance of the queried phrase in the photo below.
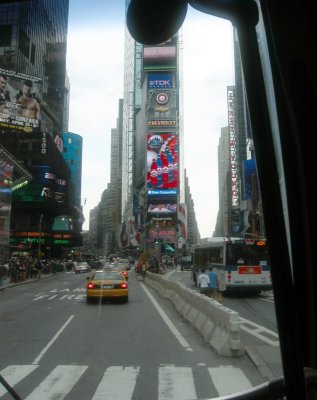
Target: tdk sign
(159, 81)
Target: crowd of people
(19, 269)
(206, 279)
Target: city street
(55, 346)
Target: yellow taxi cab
(106, 285)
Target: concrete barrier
(218, 325)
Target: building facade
(32, 116)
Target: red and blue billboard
(162, 161)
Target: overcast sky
(95, 53)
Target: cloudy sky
(95, 54)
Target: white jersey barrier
(218, 325)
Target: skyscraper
(33, 67)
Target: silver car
(81, 267)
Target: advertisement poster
(162, 209)
(167, 235)
(6, 171)
(162, 161)
(20, 101)
(159, 81)
(161, 104)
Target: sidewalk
(6, 284)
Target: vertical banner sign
(6, 171)
(233, 147)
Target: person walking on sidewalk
(203, 282)
(2, 273)
(213, 284)
(39, 267)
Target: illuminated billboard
(159, 81)
(162, 161)
(20, 101)
(162, 208)
(162, 104)
(45, 187)
(159, 57)
(164, 234)
(6, 172)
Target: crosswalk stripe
(176, 383)
(117, 384)
(13, 374)
(228, 380)
(58, 383)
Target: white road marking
(42, 353)
(259, 331)
(41, 297)
(117, 384)
(58, 383)
(183, 342)
(228, 380)
(176, 383)
(13, 374)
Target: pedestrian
(195, 274)
(221, 285)
(2, 273)
(213, 283)
(144, 270)
(203, 282)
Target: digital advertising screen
(162, 209)
(162, 104)
(159, 81)
(6, 171)
(159, 57)
(20, 101)
(162, 161)
(164, 234)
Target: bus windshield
(247, 253)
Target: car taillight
(124, 285)
(90, 285)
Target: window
(24, 43)
(32, 58)
(5, 35)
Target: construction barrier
(218, 325)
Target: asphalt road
(55, 346)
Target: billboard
(6, 171)
(163, 234)
(46, 187)
(162, 208)
(20, 101)
(251, 188)
(159, 81)
(162, 161)
(159, 57)
(162, 104)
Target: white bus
(241, 264)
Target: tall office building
(222, 224)
(33, 66)
(152, 153)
